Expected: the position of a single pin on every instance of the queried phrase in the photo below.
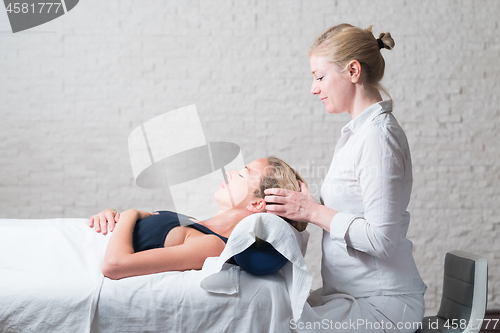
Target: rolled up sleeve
(339, 227)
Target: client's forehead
(257, 167)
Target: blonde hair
(281, 175)
(344, 42)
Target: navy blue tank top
(150, 232)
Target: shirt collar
(365, 117)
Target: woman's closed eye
(320, 78)
(240, 175)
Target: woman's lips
(222, 185)
(323, 100)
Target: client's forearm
(120, 244)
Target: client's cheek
(254, 184)
(238, 191)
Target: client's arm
(120, 260)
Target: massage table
(50, 281)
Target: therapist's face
(334, 89)
(241, 185)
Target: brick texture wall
(71, 91)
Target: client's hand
(294, 205)
(103, 220)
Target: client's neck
(225, 221)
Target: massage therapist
(368, 268)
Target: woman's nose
(314, 88)
(228, 176)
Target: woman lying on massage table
(141, 246)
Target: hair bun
(386, 38)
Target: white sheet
(174, 302)
(50, 281)
(49, 275)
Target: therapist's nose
(314, 88)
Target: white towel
(220, 278)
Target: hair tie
(380, 43)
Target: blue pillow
(261, 258)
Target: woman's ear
(257, 206)
(354, 70)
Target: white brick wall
(72, 89)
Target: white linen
(51, 281)
(174, 302)
(284, 238)
(49, 275)
(369, 183)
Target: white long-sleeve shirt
(369, 183)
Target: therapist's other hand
(294, 205)
(104, 220)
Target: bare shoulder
(211, 244)
(193, 237)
